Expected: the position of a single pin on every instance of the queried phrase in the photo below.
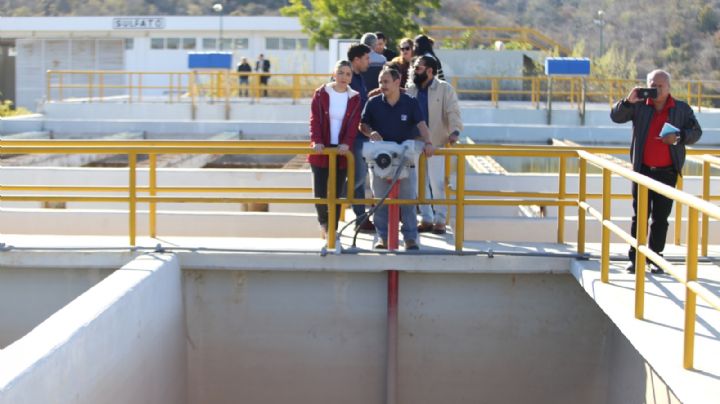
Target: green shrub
(6, 109)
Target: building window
(227, 44)
(209, 43)
(172, 43)
(242, 43)
(286, 43)
(188, 43)
(157, 43)
(129, 43)
(272, 43)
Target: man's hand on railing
(343, 149)
(318, 147)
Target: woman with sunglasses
(402, 62)
(334, 119)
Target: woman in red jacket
(334, 118)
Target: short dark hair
(429, 62)
(380, 35)
(389, 70)
(357, 50)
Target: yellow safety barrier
(459, 196)
(695, 206)
(488, 35)
(224, 86)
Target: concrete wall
(319, 337)
(120, 342)
(29, 296)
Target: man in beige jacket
(439, 103)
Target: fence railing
(225, 86)
(458, 197)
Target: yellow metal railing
(694, 204)
(224, 86)
(488, 35)
(458, 196)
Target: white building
(158, 43)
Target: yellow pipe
(331, 201)
(642, 219)
(91, 86)
(460, 207)
(699, 97)
(422, 172)
(690, 296)
(605, 248)
(102, 86)
(132, 163)
(705, 218)
(561, 196)
(582, 189)
(678, 213)
(153, 188)
(446, 183)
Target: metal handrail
(463, 197)
(224, 85)
(695, 205)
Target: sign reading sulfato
(138, 23)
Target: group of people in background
(262, 65)
(380, 95)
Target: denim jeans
(361, 171)
(407, 190)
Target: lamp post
(600, 21)
(218, 8)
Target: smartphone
(645, 93)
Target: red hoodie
(320, 124)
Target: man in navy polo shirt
(396, 117)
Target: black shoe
(425, 227)
(654, 269)
(366, 227)
(411, 245)
(630, 268)
(381, 245)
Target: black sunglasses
(405, 48)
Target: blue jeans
(407, 190)
(361, 170)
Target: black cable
(379, 204)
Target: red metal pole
(392, 337)
(391, 393)
(393, 219)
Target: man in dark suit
(263, 65)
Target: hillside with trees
(681, 36)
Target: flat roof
(32, 26)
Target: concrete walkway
(659, 336)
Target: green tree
(708, 19)
(324, 19)
(615, 63)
